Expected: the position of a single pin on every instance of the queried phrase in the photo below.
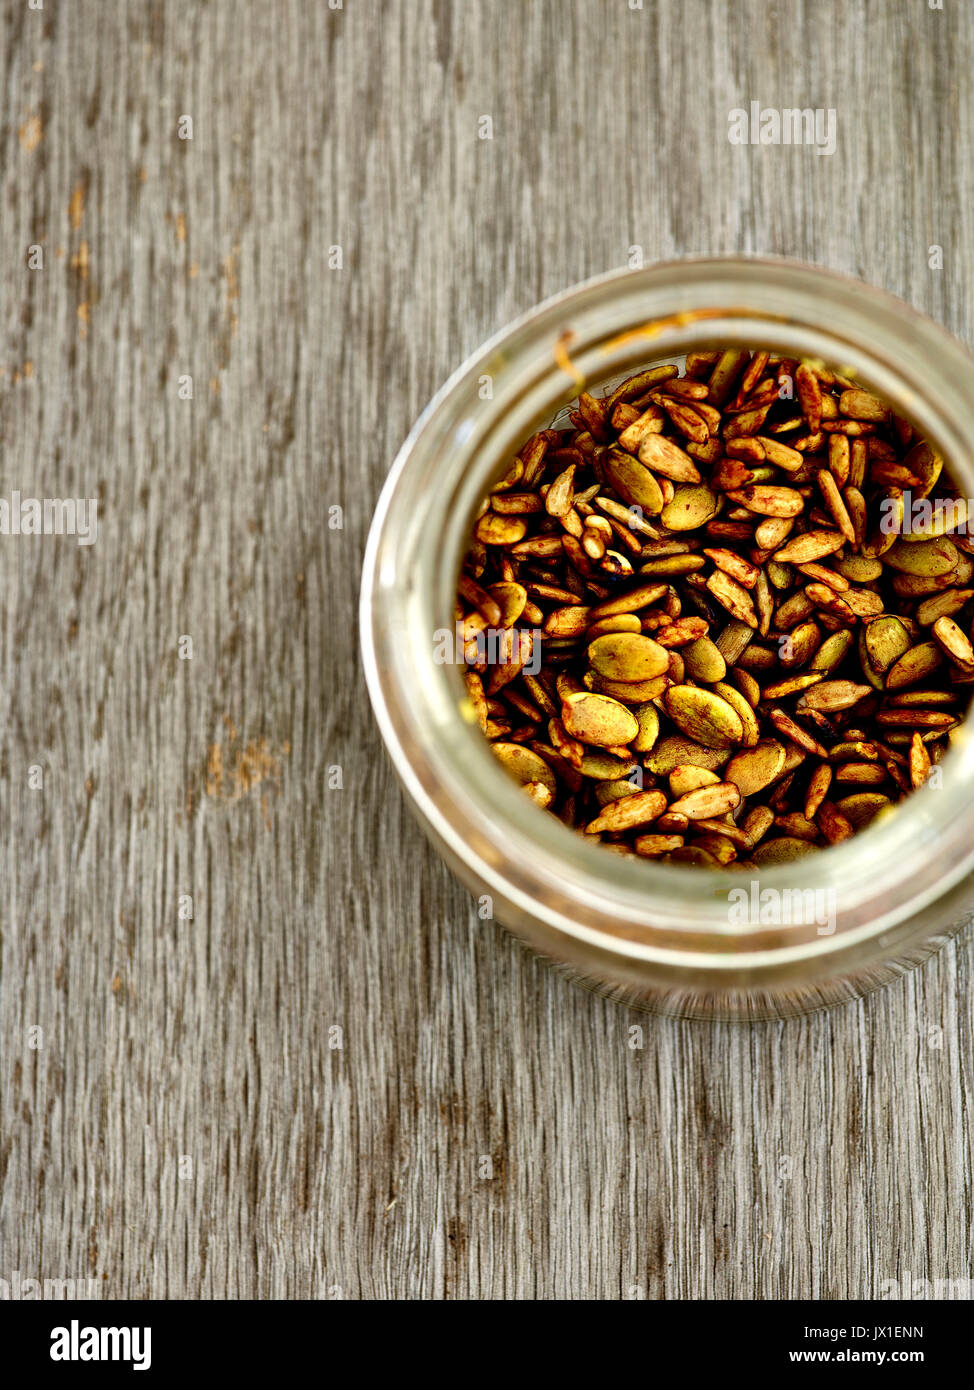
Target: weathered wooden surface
(185, 1125)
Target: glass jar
(651, 934)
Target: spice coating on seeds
(733, 612)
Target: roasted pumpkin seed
(700, 613)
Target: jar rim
(616, 323)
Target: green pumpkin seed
(628, 656)
(862, 807)
(704, 716)
(527, 767)
(757, 768)
(930, 557)
(832, 651)
(886, 641)
(633, 482)
(670, 752)
(642, 808)
(692, 507)
(915, 665)
(647, 718)
(783, 850)
(704, 662)
(598, 719)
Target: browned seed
(953, 642)
(564, 744)
(481, 599)
(799, 736)
(567, 622)
(757, 658)
(917, 585)
(735, 565)
(829, 696)
(821, 574)
(642, 808)
(818, 786)
(862, 405)
(517, 503)
(684, 388)
(794, 823)
(727, 828)
(670, 565)
(863, 603)
(772, 532)
(919, 761)
(554, 593)
(757, 823)
(855, 429)
(779, 454)
(637, 430)
(942, 605)
(628, 692)
(652, 846)
(529, 769)
(537, 547)
(916, 718)
(618, 622)
(744, 709)
(731, 474)
(690, 507)
(791, 685)
(833, 824)
(639, 384)
(769, 500)
(836, 506)
(753, 373)
(707, 802)
(809, 395)
(719, 847)
(825, 598)
(839, 458)
(560, 496)
(862, 774)
(603, 766)
(810, 546)
(756, 768)
(687, 777)
(492, 529)
(681, 632)
(665, 457)
(746, 450)
(732, 596)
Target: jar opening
(601, 333)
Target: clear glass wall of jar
(651, 934)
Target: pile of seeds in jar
(721, 618)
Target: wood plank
(189, 1127)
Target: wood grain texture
(188, 1127)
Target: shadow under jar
(654, 934)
